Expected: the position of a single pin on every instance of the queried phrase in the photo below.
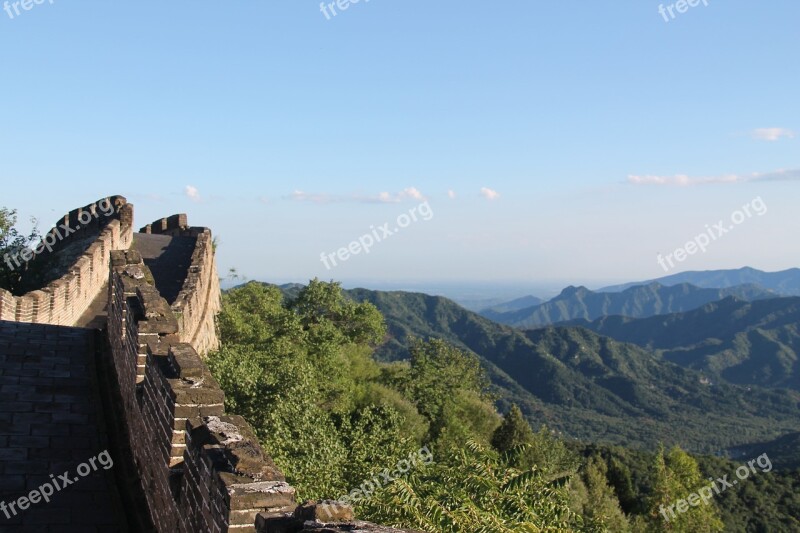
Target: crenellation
(68, 297)
(172, 225)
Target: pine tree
(676, 477)
(513, 432)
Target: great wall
(110, 356)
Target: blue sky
(553, 141)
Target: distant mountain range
(693, 378)
(637, 301)
(785, 282)
(749, 343)
(590, 386)
(509, 307)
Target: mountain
(639, 301)
(291, 290)
(785, 282)
(783, 452)
(588, 386)
(509, 307)
(747, 343)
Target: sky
(517, 142)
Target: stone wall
(63, 301)
(176, 225)
(200, 469)
(199, 300)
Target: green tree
(513, 432)
(676, 476)
(619, 476)
(12, 243)
(601, 506)
(324, 311)
(302, 373)
(472, 490)
(376, 441)
(439, 375)
(298, 374)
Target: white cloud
(192, 193)
(451, 194)
(300, 196)
(683, 180)
(412, 192)
(772, 134)
(409, 193)
(489, 194)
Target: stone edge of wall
(199, 299)
(63, 301)
(201, 469)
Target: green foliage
(764, 502)
(302, 372)
(329, 316)
(12, 242)
(473, 490)
(549, 453)
(447, 385)
(295, 378)
(675, 477)
(513, 432)
(414, 425)
(375, 439)
(599, 504)
(332, 417)
(619, 477)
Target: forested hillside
(418, 442)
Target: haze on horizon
(549, 141)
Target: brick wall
(63, 301)
(199, 299)
(201, 470)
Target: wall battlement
(199, 301)
(63, 301)
(201, 469)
